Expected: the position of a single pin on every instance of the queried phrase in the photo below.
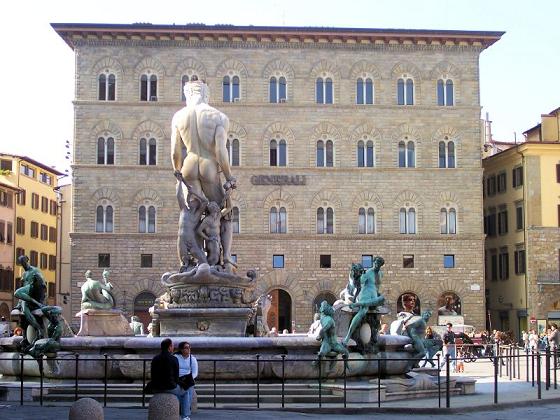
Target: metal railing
(506, 361)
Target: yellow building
(522, 226)
(36, 216)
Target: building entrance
(280, 313)
(142, 303)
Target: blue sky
(518, 74)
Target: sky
(518, 74)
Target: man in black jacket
(165, 373)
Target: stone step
(220, 390)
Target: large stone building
(522, 222)
(346, 143)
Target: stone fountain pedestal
(103, 323)
(205, 301)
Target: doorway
(280, 313)
(142, 303)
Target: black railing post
(510, 362)
(76, 381)
(555, 361)
(496, 361)
(214, 381)
(320, 365)
(283, 356)
(539, 395)
(378, 382)
(527, 363)
(532, 367)
(447, 378)
(518, 364)
(105, 356)
(499, 353)
(547, 368)
(345, 363)
(439, 380)
(40, 362)
(21, 380)
(258, 381)
(143, 383)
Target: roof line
(35, 162)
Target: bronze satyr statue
(55, 329)
(416, 330)
(97, 294)
(327, 335)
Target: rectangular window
(9, 233)
(278, 261)
(34, 258)
(51, 290)
(6, 280)
(21, 195)
(367, 261)
(52, 234)
(449, 261)
(45, 178)
(44, 204)
(517, 177)
(502, 182)
(27, 170)
(502, 222)
(494, 265)
(34, 201)
(43, 261)
(19, 253)
(146, 260)
(233, 258)
(52, 207)
(52, 262)
(104, 260)
(20, 226)
(408, 261)
(491, 222)
(503, 264)
(3, 198)
(519, 260)
(519, 215)
(6, 165)
(491, 185)
(2, 231)
(325, 261)
(44, 232)
(34, 229)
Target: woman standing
(188, 371)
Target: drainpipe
(525, 216)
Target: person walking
(165, 375)
(449, 345)
(188, 371)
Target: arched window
(325, 153)
(324, 90)
(446, 152)
(232, 146)
(105, 150)
(277, 90)
(148, 151)
(405, 91)
(277, 152)
(107, 84)
(325, 220)
(365, 154)
(148, 87)
(230, 89)
(366, 220)
(277, 220)
(445, 92)
(407, 154)
(364, 91)
(146, 219)
(448, 221)
(235, 219)
(407, 220)
(104, 219)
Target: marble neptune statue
(202, 130)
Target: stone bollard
(194, 403)
(86, 409)
(163, 407)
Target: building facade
(36, 211)
(522, 223)
(346, 144)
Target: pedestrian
(449, 345)
(188, 371)
(533, 340)
(525, 338)
(165, 375)
(554, 337)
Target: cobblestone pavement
(15, 412)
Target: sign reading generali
(278, 180)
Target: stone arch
(406, 67)
(449, 286)
(280, 279)
(278, 130)
(364, 67)
(326, 198)
(448, 198)
(325, 67)
(279, 66)
(445, 68)
(323, 285)
(408, 285)
(145, 196)
(105, 193)
(111, 64)
(232, 67)
(105, 196)
(238, 200)
(408, 196)
(237, 131)
(105, 128)
(149, 63)
(280, 198)
(326, 131)
(191, 66)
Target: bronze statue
(97, 294)
(327, 335)
(416, 330)
(31, 296)
(368, 297)
(54, 330)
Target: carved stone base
(103, 323)
(366, 334)
(224, 322)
